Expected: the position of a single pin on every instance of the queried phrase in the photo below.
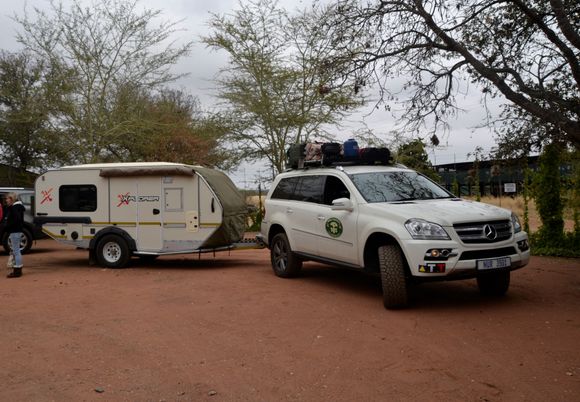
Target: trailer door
(181, 230)
(136, 208)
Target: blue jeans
(15, 239)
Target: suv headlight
(423, 230)
(516, 223)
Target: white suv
(393, 221)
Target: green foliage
(413, 155)
(254, 221)
(33, 101)
(548, 187)
(168, 126)
(109, 45)
(455, 187)
(276, 85)
(573, 188)
(478, 154)
(526, 195)
(567, 246)
(547, 194)
(525, 52)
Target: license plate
(495, 263)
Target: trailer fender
(112, 230)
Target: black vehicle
(31, 231)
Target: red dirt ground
(224, 328)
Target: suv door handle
(321, 218)
(289, 211)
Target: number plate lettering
(495, 263)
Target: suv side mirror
(342, 204)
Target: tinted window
(334, 189)
(285, 188)
(397, 186)
(310, 189)
(78, 198)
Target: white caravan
(116, 210)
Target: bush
(254, 221)
(542, 244)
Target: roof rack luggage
(313, 154)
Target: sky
(203, 64)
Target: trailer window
(78, 198)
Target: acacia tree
(168, 125)
(276, 86)
(108, 44)
(33, 101)
(524, 51)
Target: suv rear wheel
(395, 287)
(25, 242)
(285, 262)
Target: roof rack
(304, 155)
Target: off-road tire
(112, 252)
(285, 263)
(393, 279)
(25, 244)
(494, 283)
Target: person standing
(14, 227)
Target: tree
(547, 192)
(474, 173)
(413, 155)
(277, 88)
(169, 126)
(33, 100)
(524, 51)
(108, 44)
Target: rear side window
(305, 188)
(285, 188)
(310, 189)
(77, 198)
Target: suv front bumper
(462, 261)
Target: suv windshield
(397, 186)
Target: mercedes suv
(391, 221)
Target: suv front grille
(484, 232)
(493, 253)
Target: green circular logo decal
(334, 227)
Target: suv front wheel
(392, 267)
(285, 263)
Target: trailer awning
(147, 171)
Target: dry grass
(516, 204)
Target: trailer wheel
(25, 242)
(112, 252)
(395, 287)
(285, 263)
